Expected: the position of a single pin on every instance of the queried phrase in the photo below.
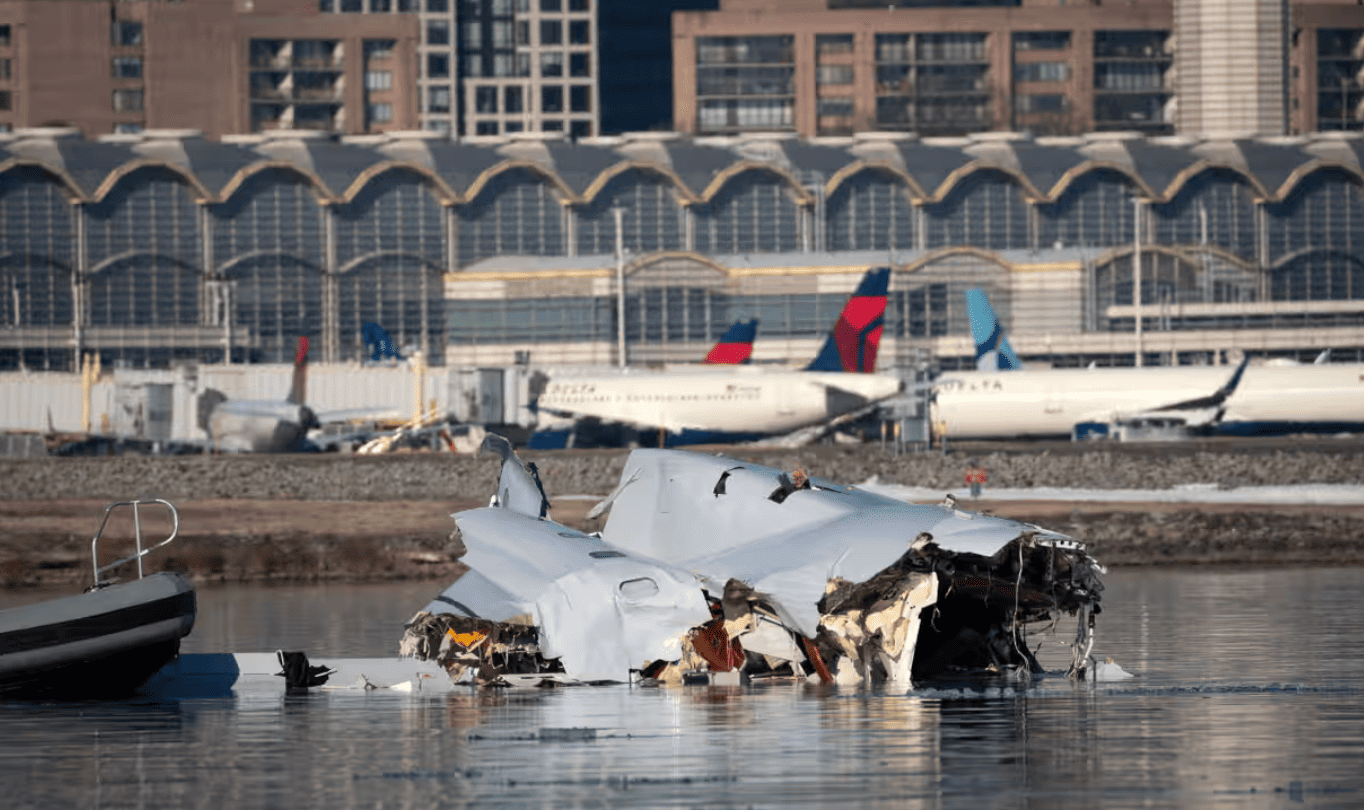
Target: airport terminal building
(159, 247)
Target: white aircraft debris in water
(744, 402)
(714, 569)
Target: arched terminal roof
(1159, 167)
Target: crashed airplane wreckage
(709, 569)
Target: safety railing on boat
(100, 582)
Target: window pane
(127, 34)
(485, 99)
(580, 64)
(579, 32)
(438, 99)
(438, 32)
(511, 99)
(551, 32)
(125, 67)
(580, 98)
(551, 99)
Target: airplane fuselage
(239, 426)
(1050, 402)
(738, 401)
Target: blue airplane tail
(993, 352)
(378, 342)
(852, 344)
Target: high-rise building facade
(465, 67)
(833, 67)
(493, 67)
(211, 65)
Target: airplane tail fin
(298, 393)
(735, 345)
(852, 344)
(518, 487)
(377, 341)
(993, 352)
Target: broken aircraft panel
(714, 564)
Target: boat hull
(99, 644)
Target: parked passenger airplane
(745, 402)
(270, 426)
(1259, 400)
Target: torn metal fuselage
(710, 564)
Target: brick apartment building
(1052, 67)
(220, 66)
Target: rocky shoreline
(374, 518)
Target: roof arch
(939, 254)
(359, 261)
(1187, 254)
(599, 184)
(485, 177)
(1308, 251)
(1073, 175)
(1301, 174)
(123, 171)
(646, 260)
(733, 170)
(247, 258)
(846, 174)
(444, 193)
(1193, 170)
(320, 190)
(73, 189)
(27, 259)
(129, 255)
(959, 175)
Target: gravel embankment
(369, 518)
(445, 477)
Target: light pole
(1136, 273)
(620, 286)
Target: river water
(1249, 693)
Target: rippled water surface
(1249, 693)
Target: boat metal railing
(100, 582)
